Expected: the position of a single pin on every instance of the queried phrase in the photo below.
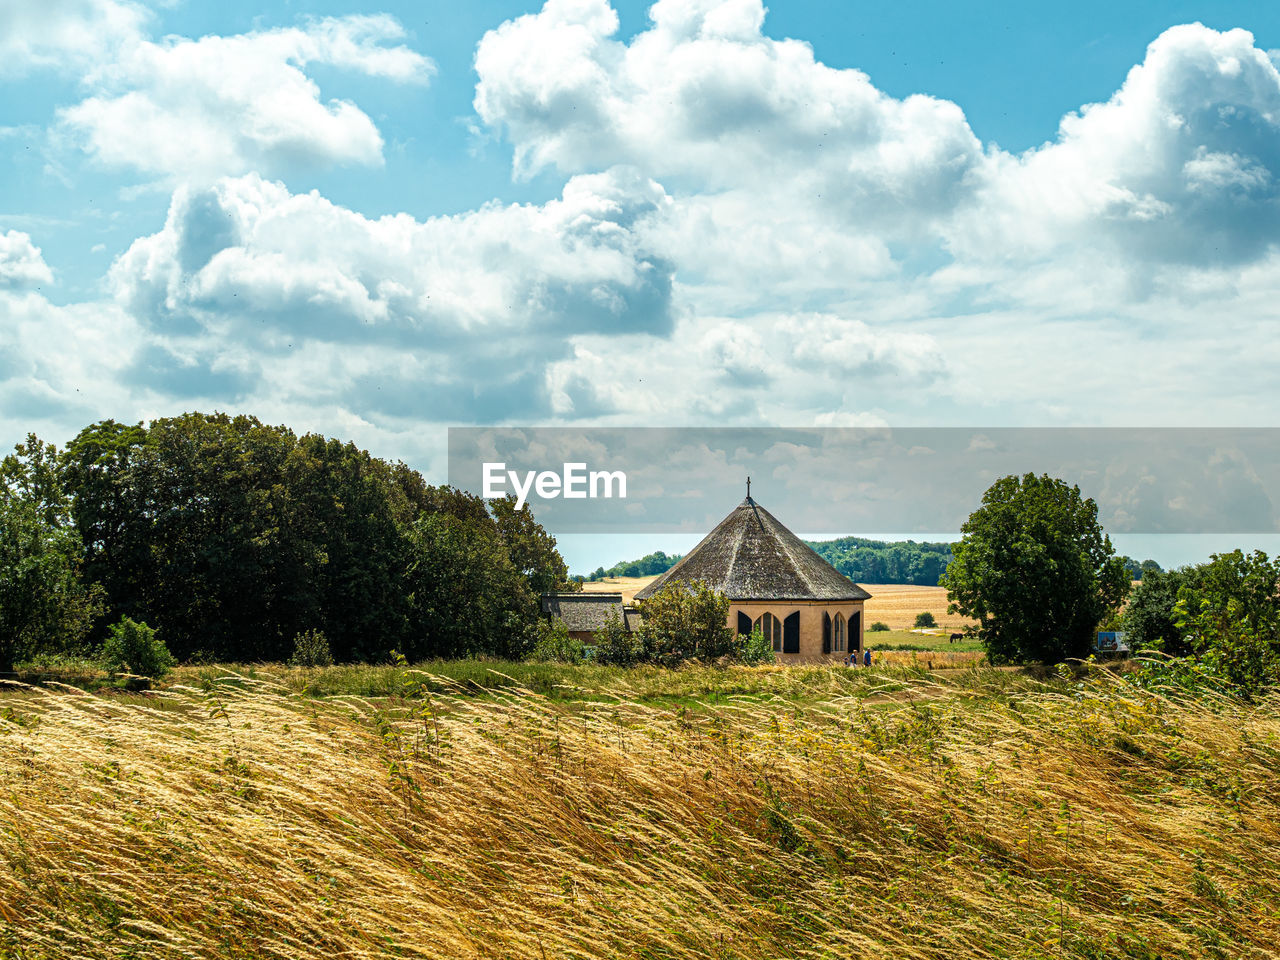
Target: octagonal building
(776, 582)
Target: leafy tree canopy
(234, 537)
(1229, 614)
(1149, 616)
(1036, 570)
(1139, 571)
(45, 607)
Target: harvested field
(897, 604)
(627, 586)
(893, 603)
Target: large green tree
(1036, 570)
(467, 597)
(44, 604)
(191, 524)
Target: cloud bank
(744, 234)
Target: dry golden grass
(897, 605)
(915, 819)
(927, 659)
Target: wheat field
(627, 586)
(895, 604)
(879, 815)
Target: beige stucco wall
(810, 624)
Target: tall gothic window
(837, 634)
(771, 627)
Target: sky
(379, 220)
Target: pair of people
(852, 659)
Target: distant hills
(920, 563)
(881, 561)
(647, 566)
(861, 560)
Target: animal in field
(954, 637)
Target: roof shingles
(750, 555)
(585, 612)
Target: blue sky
(379, 220)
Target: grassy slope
(808, 813)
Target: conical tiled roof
(751, 556)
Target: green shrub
(756, 649)
(617, 646)
(878, 627)
(311, 649)
(1232, 620)
(133, 647)
(554, 645)
(686, 623)
(925, 619)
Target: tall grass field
(587, 813)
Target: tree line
(233, 537)
(878, 561)
(650, 565)
(861, 560)
(920, 563)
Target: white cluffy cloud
(705, 99)
(1180, 165)
(453, 314)
(22, 267)
(66, 33)
(198, 109)
(794, 184)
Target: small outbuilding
(585, 614)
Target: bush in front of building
(554, 645)
(755, 649)
(616, 646)
(686, 623)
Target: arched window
(837, 634)
(771, 627)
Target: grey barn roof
(751, 556)
(587, 611)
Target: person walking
(866, 657)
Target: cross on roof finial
(748, 488)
